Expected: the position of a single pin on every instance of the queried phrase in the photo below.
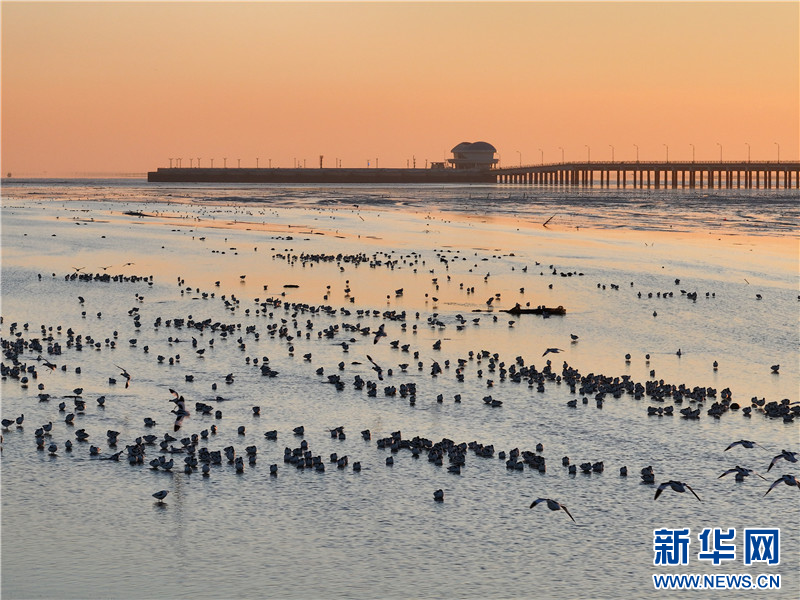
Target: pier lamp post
(588, 153)
(198, 162)
(612, 152)
(748, 150)
(562, 154)
(212, 163)
(191, 161)
(667, 147)
(520, 157)
(270, 163)
(256, 162)
(170, 163)
(238, 163)
(637, 152)
(224, 162)
(720, 151)
(779, 151)
(692, 145)
(542, 154)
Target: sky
(115, 87)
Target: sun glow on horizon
(121, 87)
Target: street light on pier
(562, 154)
(667, 147)
(541, 152)
(270, 163)
(238, 163)
(720, 151)
(748, 151)
(692, 145)
(520, 157)
(191, 163)
(779, 151)
(212, 163)
(256, 162)
(170, 163)
(588, 153)
(198, 162)
(637, 152)
(612, 152)
(224, 162)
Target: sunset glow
(122, 87)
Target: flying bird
(554, 350)
(553, 505)
(676, 486)
(790, 456)
(744, 443)
(787, 479)
(376, 368)
(741, 473)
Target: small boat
(539, 310)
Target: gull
(553, 505)
(787, 479)
(554, 350)
(376, 368)
(574, 337)
(160, 496)
(677, 486)
(790, 456)
(741, 473)
(126, 375)
(745, 443)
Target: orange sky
(121, 87)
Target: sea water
(75, 526)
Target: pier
(645, 174)
(655, 174)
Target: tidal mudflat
(374, 320)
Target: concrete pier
(316, 176)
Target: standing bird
(676, 486)
(553, 505)
(790, 456)
(574, 337)
(787, 479)
(160, 496)
(775, 368)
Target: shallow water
(74, 526)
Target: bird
(744, 443)
(676, 486)
(574, 337)
(7, 423)
(554, 350)
(126, 375)
(790, 456)
(741, 473)
(787, 479)
(775, 368)
(376, 368)
(161, 495)
(553, 505)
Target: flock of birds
(24, 349)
